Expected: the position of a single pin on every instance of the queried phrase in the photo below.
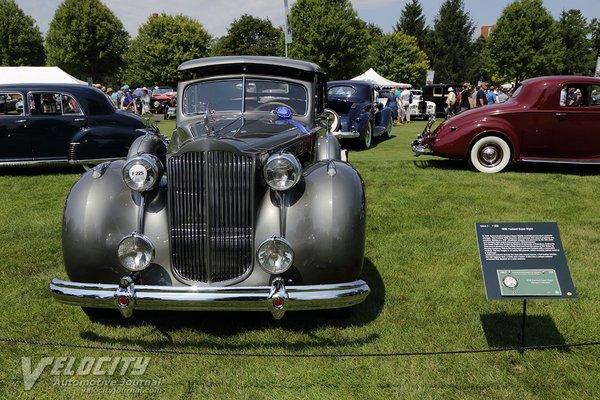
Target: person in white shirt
(405, 99)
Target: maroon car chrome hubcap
(490, 155)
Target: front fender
(456, 143)
(324, 222)
(98, 213)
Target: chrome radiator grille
(211, 215)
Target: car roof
(557, 79)
(250, 64)
(349, 83)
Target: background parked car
(62, 123)
(547, 119)
(160, 98)
(248, 207)
(420, 108)
(438, 93)
(360, 116)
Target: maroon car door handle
(561, 114)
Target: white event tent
(378, 80)
(10, 75)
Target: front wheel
(490, 154)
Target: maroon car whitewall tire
(490, 154)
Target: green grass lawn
(422, 264)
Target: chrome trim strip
(58, 163)
(555, 161)
(275, 298)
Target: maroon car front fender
(455, 141)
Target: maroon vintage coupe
(547, 119)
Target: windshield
(258, 95)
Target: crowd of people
(123, 99)
(468, 98)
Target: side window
(574, 96)
(11, 104)
(438, 92)
(595, 95)
(44, 103)
(70, 105)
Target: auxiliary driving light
(282, 171)
(275, 255)
(135, 252)
(142, 171)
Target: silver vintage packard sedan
(248, 206)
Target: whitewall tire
(490, 154)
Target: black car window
(70, 105)
(341, 91)
(11, 104)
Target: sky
(217, 16)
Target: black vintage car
(360, 115)
(62, 124)
(249, 206)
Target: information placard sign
(523, 261)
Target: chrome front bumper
(346, 134)
(277, 298)
(418, 149)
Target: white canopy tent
(378, 80)
(36, 75)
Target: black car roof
(251, 64)
(92, 99)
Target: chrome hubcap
(490, 155)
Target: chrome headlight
(142, 171)
(275, 255)
(282, 171)
(135, 252)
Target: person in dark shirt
(464, 97)
(481, 96)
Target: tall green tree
(412, 22)
(595, 37)
(249, 35)
(450, 44)
(574, 31)
(397, 57)
(21, 42)
(526, 42)
(86, 39)
(329, 33)
(162, 43)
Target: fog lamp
(275, 255)
(282, 171)
(135, 252)
(142, 171)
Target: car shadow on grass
(503, 330)
(220, 325)
(441, 163)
